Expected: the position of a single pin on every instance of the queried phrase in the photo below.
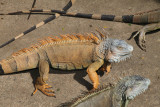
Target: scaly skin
(127, 89)
(68, 53)
(143, 31)
(147, 17)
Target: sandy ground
(16, 89)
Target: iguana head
(114, 50)
(135, 86)
(127, 89)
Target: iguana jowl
(152, 18)
(112, 96)
(69, 52)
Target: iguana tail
(140, 18)
(19, 63)
(70, 3)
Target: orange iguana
(68, 52)
(152, 18)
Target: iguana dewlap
(68, 52)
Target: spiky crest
(86, 95)
(54, 39)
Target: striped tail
(71, 2)
(19, 63)
(140, 18)
(8, 66)
(34, 2)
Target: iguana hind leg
(41, 80)
(143, 31)
(91, 70)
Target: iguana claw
(141, 38)
(43, 88)
(106, 67)
(143, 31)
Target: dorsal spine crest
(89, 37)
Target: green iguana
(112, 96)
(68, 52)
(147, 17)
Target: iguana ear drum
(1, 70)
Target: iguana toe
(47, 86)
(142, 39)
(106, 68)
(44, 90)
(43, 87)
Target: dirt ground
(16, 89)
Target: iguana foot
(143, 31)
(142, 40)
(43, 87)
(106, 68)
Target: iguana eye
(120, 47)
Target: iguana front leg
(41, 80)
(91, 70)
(106, 67)
(143, 31)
